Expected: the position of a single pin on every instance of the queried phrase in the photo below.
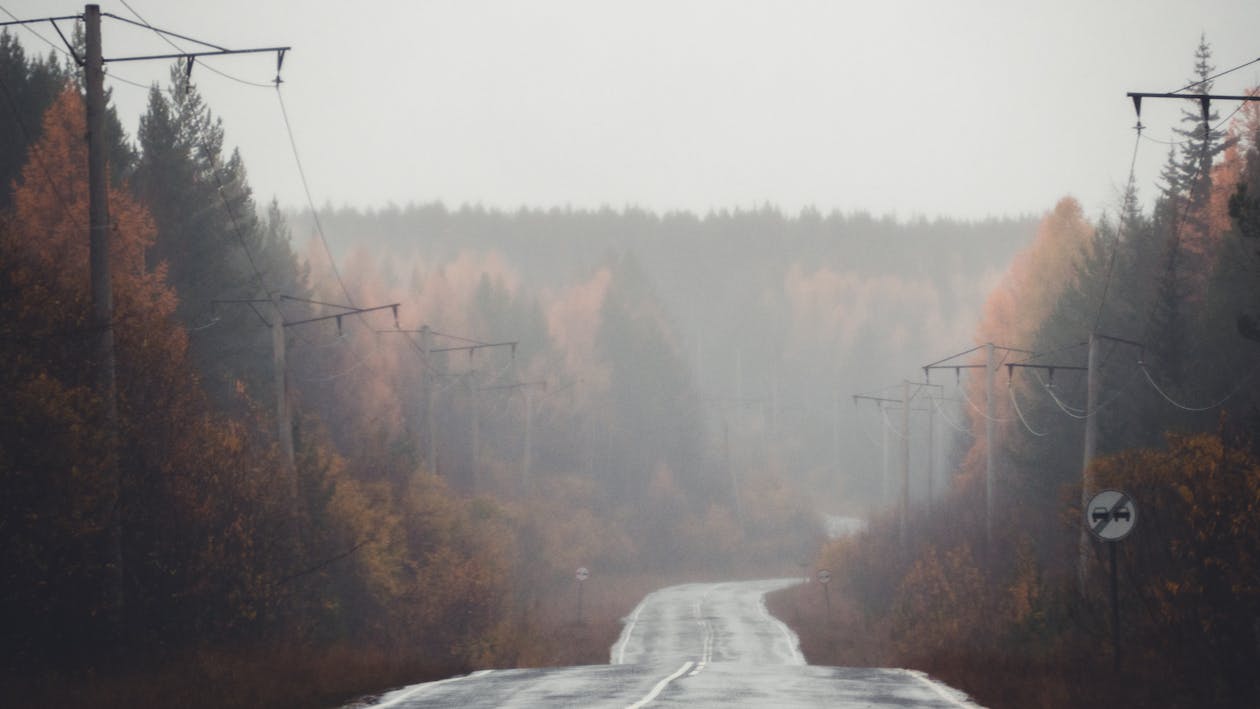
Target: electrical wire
(310, 201)
(1015, 402)
(1065, 407)
(1115, 245)
(316, 380)
(42, 38)
(977, 409)
(164, 35)
(1196, 409)
(457, 337)
(949, 421)
(1200, 82)
(1219, 124)
(883, 414)
(64, 52)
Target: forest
(1021, 616)
(357, 446)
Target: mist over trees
(482, 400)
(636, 393)
(772, 321)
(1171, 292)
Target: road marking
(940, 691)
(706, 633)
(619, 649)
(660, 686)
(404, 694)
(794, 655)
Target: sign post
(824, 576)
(581, 575)
(1111, 516)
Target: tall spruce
(210, 237)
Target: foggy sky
(963, 109)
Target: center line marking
(660, 686)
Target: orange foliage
(1021, 302)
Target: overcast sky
(964, 109)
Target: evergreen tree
(210, 238)
(27, 88)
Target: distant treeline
(776, 317)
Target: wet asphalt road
(695, 645)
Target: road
(695, 645)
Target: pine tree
(211, 239)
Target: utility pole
(103, 298)
(1091, 443)
(100, 286)
(474, 400)
(284, 414)
(280, 362)
(1093, 385)
(905, 462)
(990, 418)
(430, 396)
(931, 471)
(527, 448)
(880, 401)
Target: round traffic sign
(824, 576)
(1111, 515)
(583, 573)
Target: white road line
(660, 686)
(619, 648)
(938, 689)
(404, 694)
(794, 655)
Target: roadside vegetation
(1012, 621)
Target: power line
(1216, 76)
(164, 35)
(1015, 403)
(310, 201)
(1115, 246)
(1196, 409)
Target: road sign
(583, 573)
(824, 576)
(1111, 515)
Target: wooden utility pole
(989, 419)
(101, 290)
(430, 397)
(103, 297)
(904, 507)
(284, 418)
(474, 406)
(1091, 442)
(527, 453)
(931, 451)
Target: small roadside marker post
(1111, 516)
(581, 575)
(824, 576)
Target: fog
(965, 110)
(483, 293)
(722, 347)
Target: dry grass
(848, 638)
